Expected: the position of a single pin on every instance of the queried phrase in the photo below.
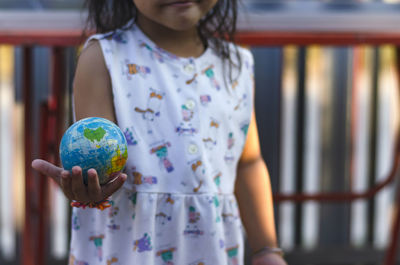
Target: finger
(66, 184)
(78, 187)
(113, 185)
(94, 188)
(47, 169)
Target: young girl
(184, 100)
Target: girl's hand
(72, 184)
(268, 259)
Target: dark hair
(218, 27)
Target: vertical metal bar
(373, 141)
(354, 113)
(28, 255)
(43, 193)
(301, 119)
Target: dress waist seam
(182, 193)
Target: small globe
(94, 143)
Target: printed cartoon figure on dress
(188, 111)
(229, 155)
(192, 229)
(131, 136)
(164, 215)
(139, 178)
(161, 151)
(162, 218)
(205, 100)
(232, 253)
(167, 255)
(113, 260)
(98, 245)
(210, 139)
(143, 244)
(113, 212)
(209, 73)
(152, 110)
(199, 170)
(131, 69)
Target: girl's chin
(182, 23)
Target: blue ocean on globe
(94, 143)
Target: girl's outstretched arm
(92, 98)
(92, 85)
(254, 195)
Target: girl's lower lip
(182, 4)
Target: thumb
(47, 169)
(113, 185)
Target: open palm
(73, 186)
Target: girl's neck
(181, 43)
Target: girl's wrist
(268, 250)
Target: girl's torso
(184, 120)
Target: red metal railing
(52, 117)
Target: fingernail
(33, 163)
(123, 177)
(76, 170)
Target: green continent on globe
(94, 135)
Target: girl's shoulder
(119, 36)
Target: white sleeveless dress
(186, 125)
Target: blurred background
(327, 103)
